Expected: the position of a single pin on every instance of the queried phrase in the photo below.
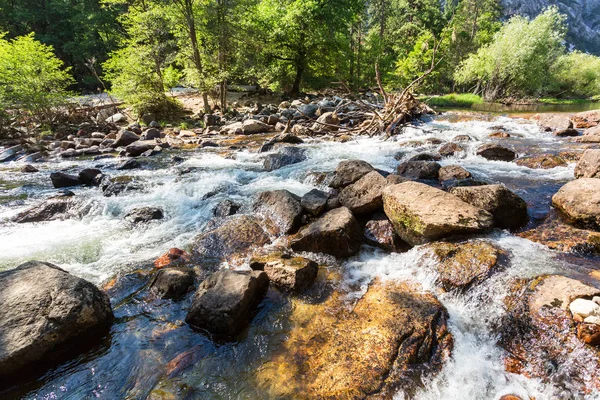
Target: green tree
(517, 62)
(32, 78)
(577, 74)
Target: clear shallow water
(149, 333)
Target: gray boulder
(144, 214)
(281, 207)
(496, 152)
(580, 201)
(419, 170)
(125, 138)
(364, 195)
(588, 165)
(286, 156)
(61, 180)
(45, 311)
(348, 172)
(314, 202)
(226, 301)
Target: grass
(465, 100)
(564, 101)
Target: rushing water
(148, 333)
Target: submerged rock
(235, 238)
(226, 301)
(364, 195)
(508, 209)
(540, 334)
(61, 180)
(421, 213)
(46, 311)
(465, 264)
(542, 161)
(286, 156)
(580, 201)
(129, 164)
(173, 282)
(388, 340)
(336, 233)
(348, 172)
(144, 214)
(289, 273)
(419, 170)
(496, 152)
(54, 208)
(281, 207)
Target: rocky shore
(284, 278)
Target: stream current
(131, 363)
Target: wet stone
(173, 282)
(287, 272)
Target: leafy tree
(32, 78)
(518, 60)
(577, 74)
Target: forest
(140, 49)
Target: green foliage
(517, 62)
(577, 74)
(454, 100)
(32, 78)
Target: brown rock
(496, 152)
(173, 257)
(589, 334)
(450, 149)
(281, 207)
(379, 232)
(419, 170)
(553, 121)
(588, 165)
(570, 132)
(348, 172)
(173, 282)
(289, 273)
(421, 213)
(579, 200)
(593, 131)
(453, 172)
(499, 135)
(542, 161)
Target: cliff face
(583, 18)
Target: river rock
(421, 213)
(542, 161)
(144, 214)
(46, 311)
(331, 120)
(453, 172)
(173, 257)
(235, 238)
(172, 282)
(125, 138)
(314, 202)
(584, 308)
(348, 172)
(419, 170)
(151, 134)
(450, 149)
(29, 169)
(540, 334)
(286, 156)
(594, 131)
(588, 165)
(579, 200)
(495, 152)
(459, 266)
(425, 157)
(281, 207)
(508, 209)
(226, 208)
(287, 272)
(389, 339)
(88, 176)
(226, 301)
(379, 232)
(55, 208)
(553, 122)
(61, 180)
(364, 195)
(570, 132)
(336, 233)
(252, 126)
(129, 164)
(140, 147)
(10, 153)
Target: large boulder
(88, 176)
(226, 301)
(54, 208)
(125, 138)
(553, 122)
(421, 213)
(314, 202)
(449, 172)
(329, 121)
(287, 272)
(364, 195)
(61, 180)
(286, 156)
(348, 172)
(450, 149)
(419, 170)
(541, 335)
(580, 201)
(235, 238)
(140, 147)
(495, 152)
(281, 207)
(588, 165)
(336, 233)
(390, 339)
(508, 209)
(459, 266)
(45, 311)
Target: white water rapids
(100, 244)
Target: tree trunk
(297, 80)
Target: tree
(517, 62)
(577, 74)
(32, 78)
